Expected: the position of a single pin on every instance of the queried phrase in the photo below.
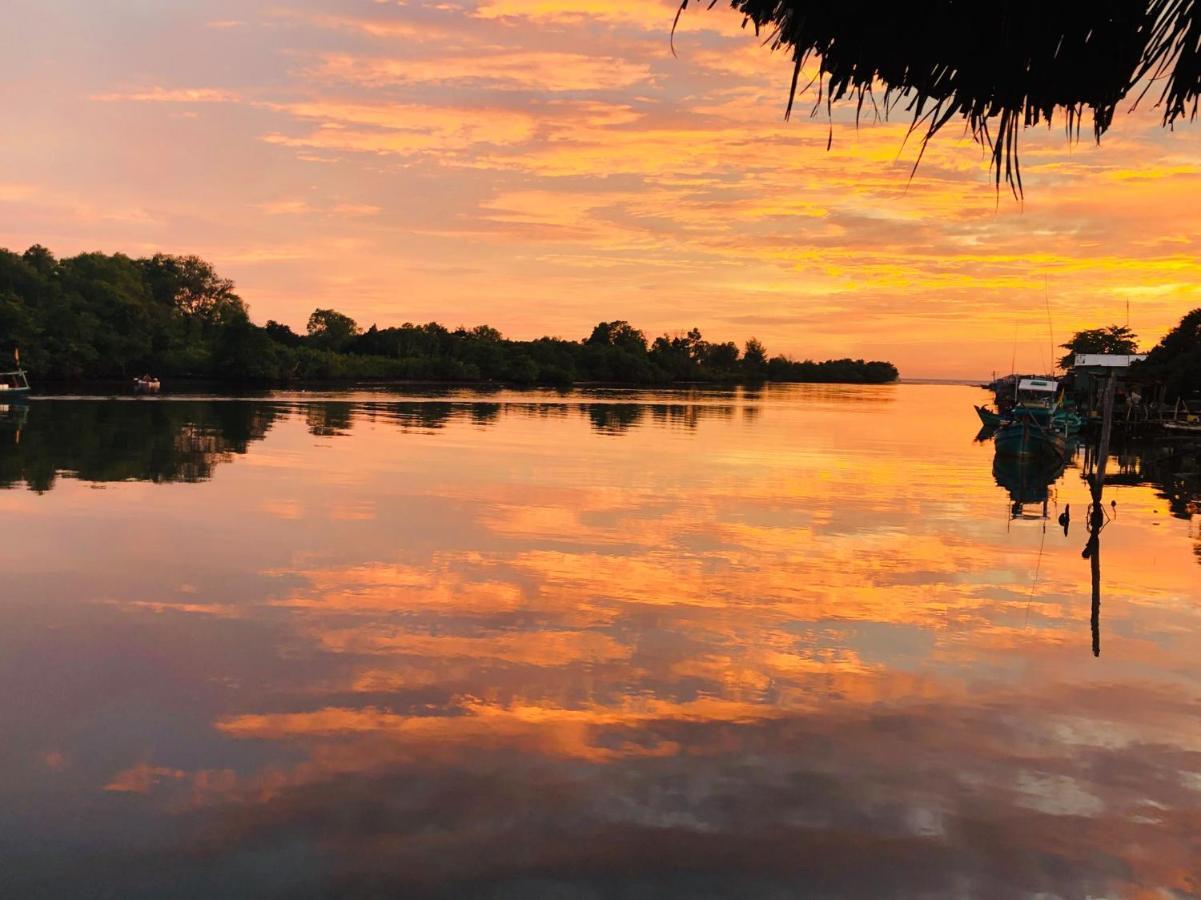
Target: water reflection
(614, 418)
(166, 441)
(1027, 480)
(116, 441)
(479, 647)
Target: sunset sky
(539, 165)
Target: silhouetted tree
(100, 316)
(282, 334)
(193, 287)
(620, 334)
(1114, 339)
(331, 330)
(754, 358)
(1176, 360)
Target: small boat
(146, 384)
(1036, 399)
(14, 386)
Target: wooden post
(1106, 434)
(1097, 515)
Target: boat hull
(988, 418)
(1060, 419)
(1029, 440)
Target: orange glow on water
(655, 615)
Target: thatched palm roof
(1000, 66)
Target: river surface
(778, 643)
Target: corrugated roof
(1107, 360)
(1037, 384)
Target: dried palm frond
(999, 67)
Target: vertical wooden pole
(1097, 515)
(1106, 434)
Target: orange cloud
(142, 778)
(487, 166)
(655, 13)
(540, 71)
(170, 95)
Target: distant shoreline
(100, 388)
(97, 318)
(962, 382)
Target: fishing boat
(1040, 399)
(1025, 436)
(14, 385)
(146, 384)
(1036, 396)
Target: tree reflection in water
(109, 440)
(166, 441)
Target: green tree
(1117, 339)
(754, 358)
(103, 316)
(620, 334)
(282, 334)
(193, 287)
(331, 330)
(485, 333)
(721, 356)
(40, 259)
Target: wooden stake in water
(1097, 513)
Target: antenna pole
(1050, 327)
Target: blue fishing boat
(1027, 437)
(14, 385)
(1037, 399)
(1059, 417)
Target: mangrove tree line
(98, 316)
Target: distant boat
(13, 385)
(146, 384)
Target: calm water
(728, 644)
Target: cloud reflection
(466, 647)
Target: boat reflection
(1028, 481)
